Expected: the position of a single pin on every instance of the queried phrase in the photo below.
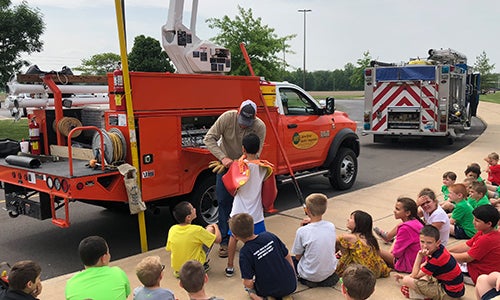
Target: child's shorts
(257, 228)
(460, 233)
(490, 294)
(430, 288)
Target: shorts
(431, 288)
(257, 228)
(460, 233)
(490, 294)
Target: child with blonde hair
(150, 273)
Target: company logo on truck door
(417, 94)
(304, 139)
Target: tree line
(263, 45)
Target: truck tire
(343, 169)
(203, 198)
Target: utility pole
(305, 11)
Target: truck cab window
(295, 103)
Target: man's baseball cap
(246, 114)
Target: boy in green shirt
(462, 217)
(477, 195)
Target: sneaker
(223, 253)
(229, 272)
(206, 266)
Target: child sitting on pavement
(474, 171)
(360, 246)
(192, 278)
(478, 194)
(461, 220)
(150, 273)
(314, 246)
(493, 169)
(435, 273)
(265, 264)
(188, 241)
(433, 214)
(358, 282)
(449, 178)
(449, 205)
(482, 252)
(248, 198)
(403, 251)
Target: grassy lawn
(14, 130)
(349, 95)
(494, 97)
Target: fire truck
(81, 149)
(434, 97)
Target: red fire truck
(424, 98)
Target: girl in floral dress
(360, 246)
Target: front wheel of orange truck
(343, 169)
(204, 200)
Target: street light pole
(304, 60)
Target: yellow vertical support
(130, 114)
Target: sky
(337, 31)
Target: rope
(66, 124)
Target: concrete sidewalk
(378, 200)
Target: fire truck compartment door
(159, 147)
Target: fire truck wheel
(343, 169)
(204, 200)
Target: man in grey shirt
(224, 141)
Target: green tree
(21, 28)
(148, 56)
(483, 66)
(357, 79)
(99, 64)
(262, 43)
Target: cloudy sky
(338, 31)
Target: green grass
(14, 130)
(494, 97)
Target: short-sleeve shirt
(439, 216)
(443, 266)
(462, 214)
(264, 260)
(316, 243)
(494, 174)
(445, 191)
(144, 293)
(186, 243)
(98, 283)
(482, 201)
(485, 250)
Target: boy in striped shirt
(439, 276)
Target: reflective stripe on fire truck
(411, 93)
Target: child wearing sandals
(407, 244)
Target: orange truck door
(306, 133)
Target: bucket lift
(188, 53)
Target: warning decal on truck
(304, 140)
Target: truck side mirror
(330, 105)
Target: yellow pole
(130, 114)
